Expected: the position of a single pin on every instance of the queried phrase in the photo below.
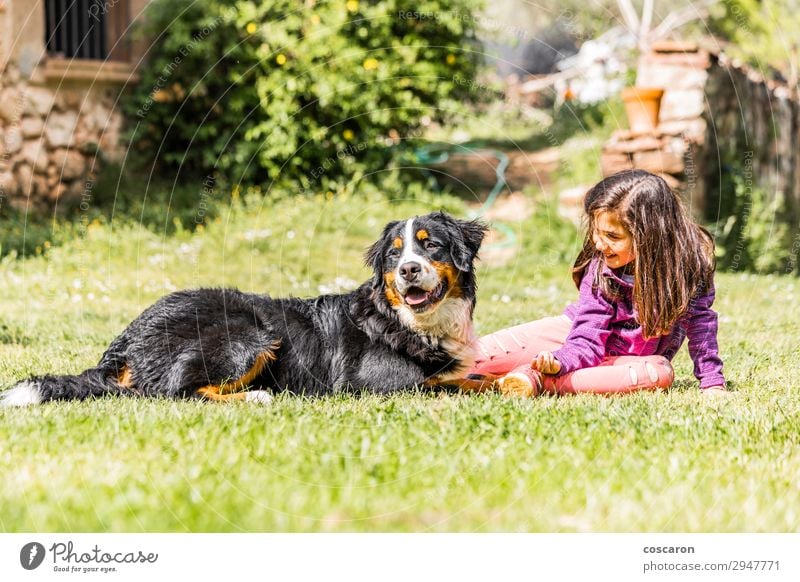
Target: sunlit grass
(411, 462)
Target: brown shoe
(523, 382)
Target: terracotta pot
(642, 105)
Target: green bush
(302, 93)
(751, 235)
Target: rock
(643, 143)
(674, 46)
(693, 128)
(34, 154)
(57, 191)
(671, 76)
(671, 181)
(699, 60)
(31, 126)
(12, 140)
(659, 162)
(12, 75)
(59, 128)
(682, 104)
(38, 101)
(81, 138)
(8, 185)
(95, 119)
(70, 164)
(611, 163)
(110, 142)
(10, 107)
(677, 146)
(23, 175)
(67, 99)
(40, 187)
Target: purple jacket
(602, 328)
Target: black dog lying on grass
(410, 325)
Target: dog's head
(423, 263)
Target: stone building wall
(54, 137)
(60, 119)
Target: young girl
(645, 276)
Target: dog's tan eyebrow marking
(422, 234)
(397, 243)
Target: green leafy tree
(764, 33)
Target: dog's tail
(97, 381)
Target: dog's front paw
(259, 397)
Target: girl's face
(612, 239)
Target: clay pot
(641, 106)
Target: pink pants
(513, 349)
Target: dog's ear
(467, 236)
(374, 255)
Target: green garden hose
(438, 153)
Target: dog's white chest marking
(448, 327)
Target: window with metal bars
(86, 29)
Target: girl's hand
(546, 363)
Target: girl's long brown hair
(674, 257)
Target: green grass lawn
(410, 462)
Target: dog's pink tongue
(416, 296)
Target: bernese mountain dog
(410, 325)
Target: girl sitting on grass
(646, 281)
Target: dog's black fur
(382, 337)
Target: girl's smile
(613, 240)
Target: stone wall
(54, 137)
(59, 118)
(674, 149)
